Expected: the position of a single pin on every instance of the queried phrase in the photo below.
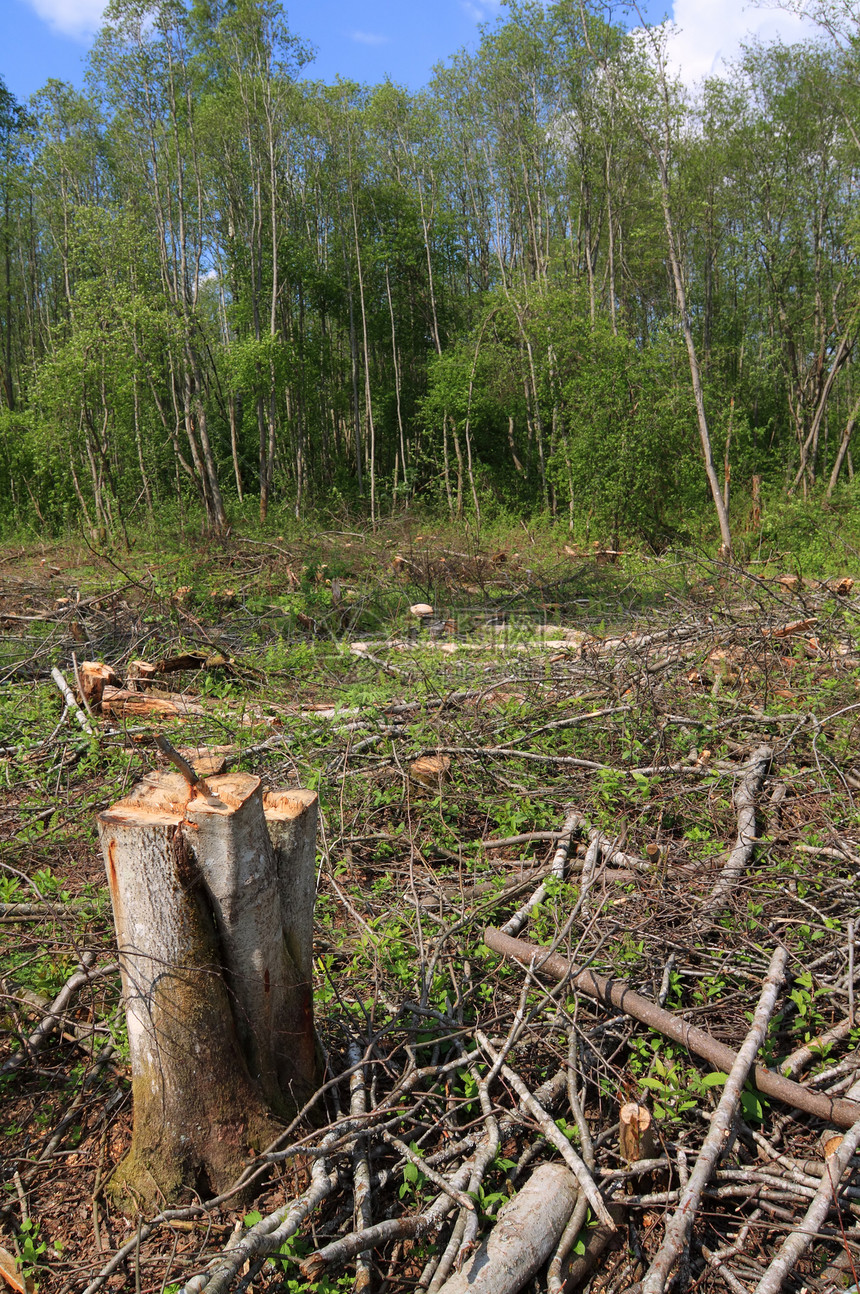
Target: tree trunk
(842, 452)
(213, 900)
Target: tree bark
(527, 1229)
(220, 1020)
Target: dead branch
(515, 924)
(840, 1111)
(552, 1132)
(678, 1228)
(420, 1224)
(803, 1236)
(794, 1064)
(360, 1165)
(84, 974)
(524, 1235)
(268, 1235)
(71, 703)
(745, 797)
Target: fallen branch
(799, 1241)
(69, 698)
(268, 1235)
(120, 702)
(360, 1164)
(815, 1049)
(678, 1228)
(37, 1039)
(553, 1134)
(596, 1240)
(745, 796)
(837, 1110)
(418, 1224)
(515, 924)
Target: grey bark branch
(268, 1235)
(680, 1224)
(69, 698)
(37, 1039)
(360, 1165)
(553, 1134)
(525, 1233)
(799, 1241)
(515, 924)
(745, 798)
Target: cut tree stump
(635, 1134)
(213, 906)
(94, 676)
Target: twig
(851, 971)
(69, 698)
(719, 1266)
(799, 1241)
(678, 1228)
(458, 1196)
(554, 1281)
(553, 1134)
(484, 1157)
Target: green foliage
(413, 1180)
(32, 1248)
(253, 289)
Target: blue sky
(364, 41)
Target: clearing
(654, 765)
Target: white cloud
(481, 10)
(369, 38)
(709, 34)
(77, 18)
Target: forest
(553, 281)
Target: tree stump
(212, 895)
(635, 1134)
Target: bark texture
(220, 1025)
(527, 1230)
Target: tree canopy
(552, 279)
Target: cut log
(206, 762)
(220, 1025)
(430, 770)
(526, 1232)
(192, 660)
(140, 674)
(93, 676)
(121, 702)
